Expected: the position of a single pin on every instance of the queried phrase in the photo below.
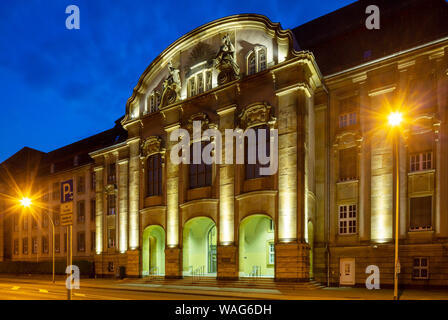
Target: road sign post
(66, 215)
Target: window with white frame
(347, 219)
(347, 119)
(256, 60)
(420, 161)
(271, 257)
(199, 83)
(420, 268)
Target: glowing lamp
(25, 202)
(395, 119)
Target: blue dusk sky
(58, 86)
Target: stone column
(123, 204)
(173, 261)
(99, 176)
(133, 265)
(364, 166)
(292, 252)
(227, 250)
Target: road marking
(43, 290)
(79, 294)
(15, 288)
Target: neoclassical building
(328, 211)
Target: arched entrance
(199, 247)
(153, 253)
(256, 247)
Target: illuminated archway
(153, 253)
(199, 247)
(256, 247)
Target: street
(35, 287)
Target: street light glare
(26, 202)
(395, 119)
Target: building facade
(327, 213)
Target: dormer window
(52, 168)
(153, 102)
(199, 83)
(257, 60)
(76, 161)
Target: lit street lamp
(26, 203)
(395, 119)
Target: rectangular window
(200, 175)
(420, 268)
(111, 204)
(57, 243)
(25, 245)
(45, 221)
(111, 174)
(16, 222)
(81, 211)
(200, 79)
(92, 210)
(420, 161)
(252, 170)
(56, 191)
(81, 184)
(262, 60)
(420, 213)
(92, 240)
(44, 244)
(16, 246)
(192, 84)
(347, 119)
(271, 253)
(25, 223)
(92, 181)
(81, 241)
(111, 238)
(348, 160)
(33, 223)
(56, 218)
(154, 177)
(34, 245)
(347, 219)
(208, 80)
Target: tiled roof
(340, 39)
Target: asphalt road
(11, 289)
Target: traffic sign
(66, 219)
(67, 191)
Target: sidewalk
(239, 293)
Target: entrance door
(212, 250)
(347, 271)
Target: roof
(63, 158)
(340, 39)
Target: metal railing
(256, 272)
(198, 273)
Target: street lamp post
(395, 119)
(26, 203)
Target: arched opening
(199, 247)
(256, 247)
(153, 253)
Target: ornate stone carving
(225, 62)
(347, 139)
(151, 145)
(171, 87)
(205, 122)
(255, 115)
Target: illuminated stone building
(327, 87)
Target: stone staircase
(254, 283)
